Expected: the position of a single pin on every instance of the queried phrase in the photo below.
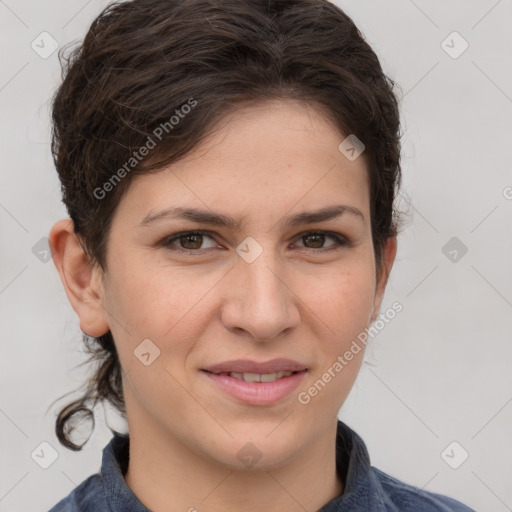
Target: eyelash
(341, 241)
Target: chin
(254, 449)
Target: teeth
(258, 377)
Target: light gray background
(439, 372)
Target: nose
(260, 298)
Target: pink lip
(248, 366)
(257, 393)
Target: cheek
(155, 303)
(344, 304)
(344, 301)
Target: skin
(296, 300)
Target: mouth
(256, 383)
(247, 366)
(255, 377)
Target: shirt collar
(119, 496)
(361, 491)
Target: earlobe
(388, 258)
(81, 280)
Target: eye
(189, 241)
(316, 240)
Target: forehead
(276, 154)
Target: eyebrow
(218, 219)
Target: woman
(229, 170)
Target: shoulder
(86, 497)
(401, 496)
(368, 488)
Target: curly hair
(143, 61)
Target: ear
(388, 257)
(82, 281)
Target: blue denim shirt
(367, 489)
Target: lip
(257, 393)
(249, 366)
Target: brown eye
(190, 241)
(316, 240)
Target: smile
(257, 377)
(256, 388)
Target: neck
(164, 473)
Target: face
(269, 284)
